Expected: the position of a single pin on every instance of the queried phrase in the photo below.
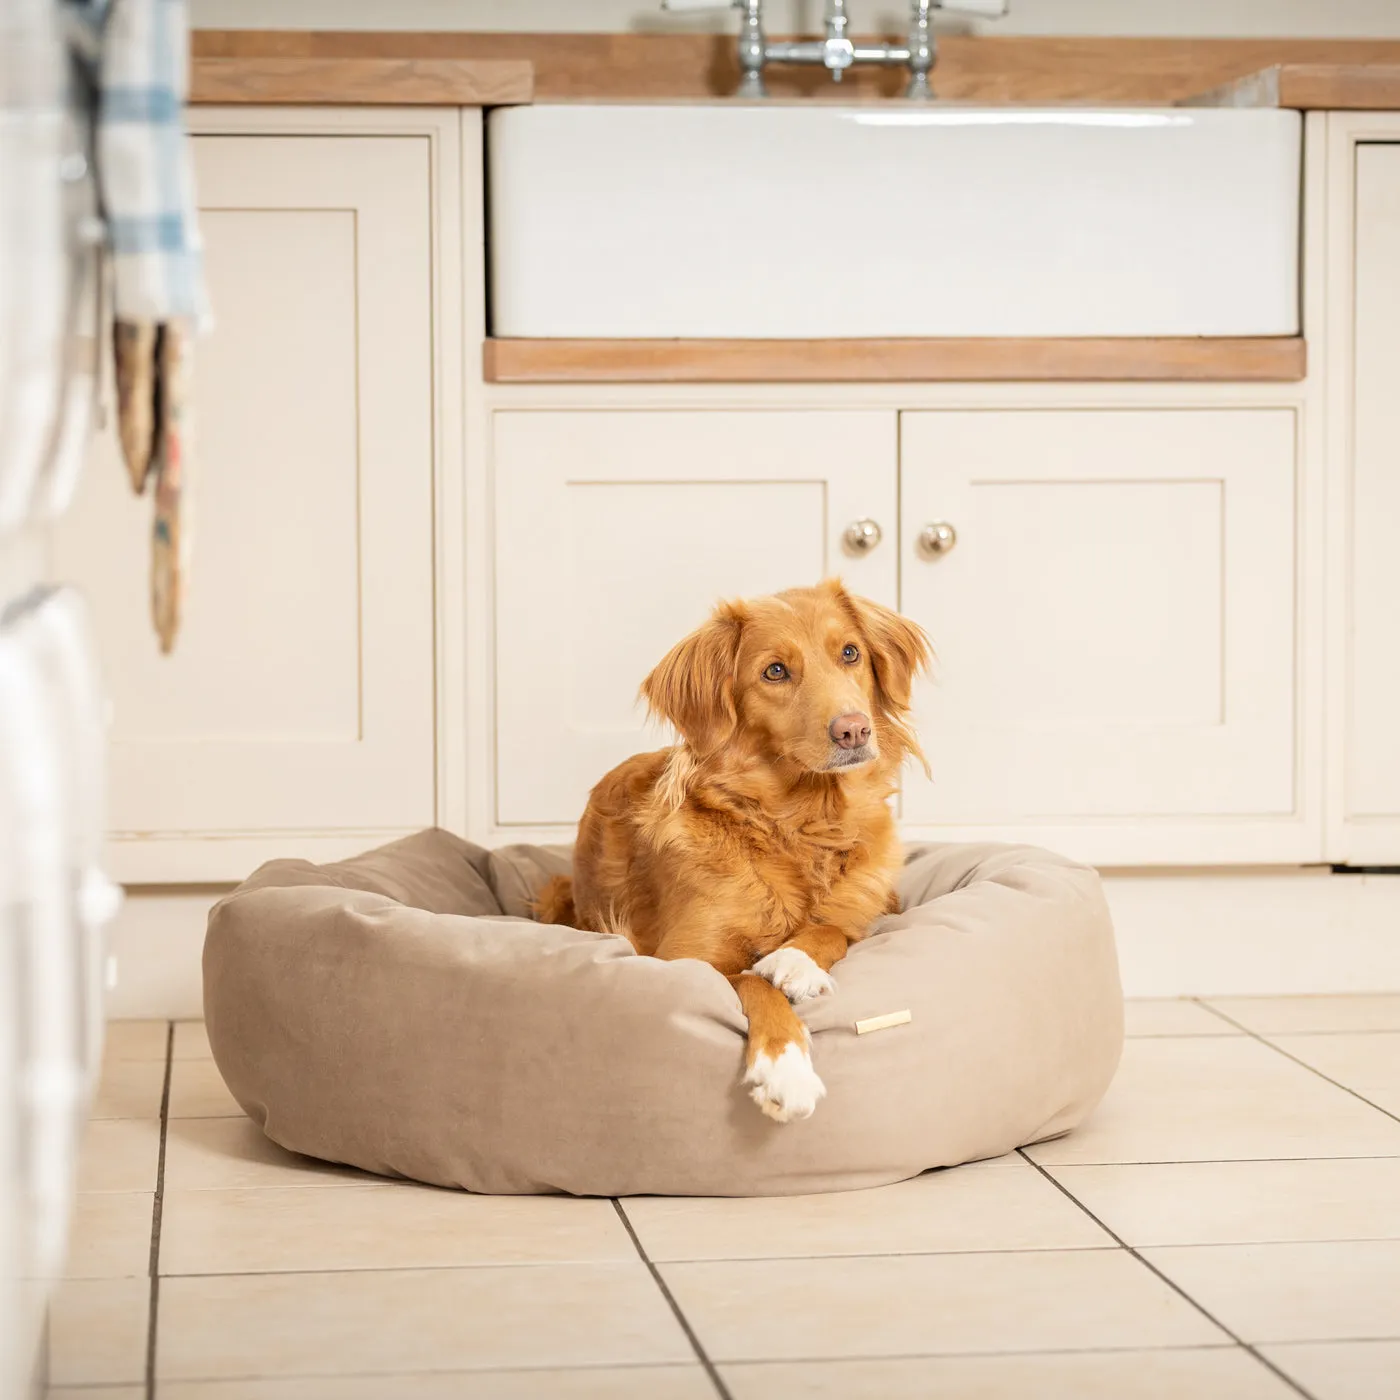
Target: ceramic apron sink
(768, 220)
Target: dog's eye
(776, 672)
(849, 654)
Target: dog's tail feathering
(555, 902)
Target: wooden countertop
(1310, 72)
(1333, 87)
(417, 81)
(509, 361)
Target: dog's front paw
(794, 974)
(787, 1087)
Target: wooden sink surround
(277, 67)
(1140, 72)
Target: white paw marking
(794, 974)
(785, 1088)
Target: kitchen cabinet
(615, 534)
(1115, 620)
(297, 711)
(1116, 625)
(1368, 498)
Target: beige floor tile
(95, 1392)
(191, 1041)
(594, 1383)
(119, 1154)
(386, 1226)
(1216, 1373)
(1280, 1015)
(135, 1040)
(110, 1235)
(1292, 1292)
(197, 1090)
(984, 1206)
(129, 1089)
(1367, 1062)
(1184, 1099)
(931, 1304)
(1173, 1016)
(229, 1153)
(546, 1315)
(1342, 1370)
(97, 1331)
(1354, 1198)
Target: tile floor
(1227, 1227)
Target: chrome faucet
(837, 52)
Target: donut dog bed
(401, 1012)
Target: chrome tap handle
(838, 53)
(753, 50)
(921, 53)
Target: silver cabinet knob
(862, 536)
(937, 538)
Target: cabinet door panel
(1116, 621)
(1372, 769)
(300, 692)
(617, 532)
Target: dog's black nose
(850, 731)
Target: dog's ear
(898, 649)
(693, 684)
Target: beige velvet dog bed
(400, 1012)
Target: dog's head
(813, 677)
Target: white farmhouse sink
(761, 220)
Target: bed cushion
(401, 1012)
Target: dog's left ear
(898, 649)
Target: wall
(1221, 18)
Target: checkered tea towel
(143, 161)
(139, 72)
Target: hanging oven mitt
(170, 534)
(134, 356)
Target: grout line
(966, 1355)
(1206, 1006)
(1312, 1069)
(1224, 1033)
(485, 1264)
(1171, 1283)
(721, 1389)
(641, 1367)
(156, 1213)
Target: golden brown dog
(763, 844)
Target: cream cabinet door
(1115, 625)
(616, 532)
(1370, 827)
(300, 694)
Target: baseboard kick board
(1254, 933)
(1221, 933)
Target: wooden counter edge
(1334, 87)
(421, 82)
(532, 361)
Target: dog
(763, 843)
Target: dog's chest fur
(824, 869)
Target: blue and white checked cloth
(144, 165)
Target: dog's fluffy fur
(759, 844)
